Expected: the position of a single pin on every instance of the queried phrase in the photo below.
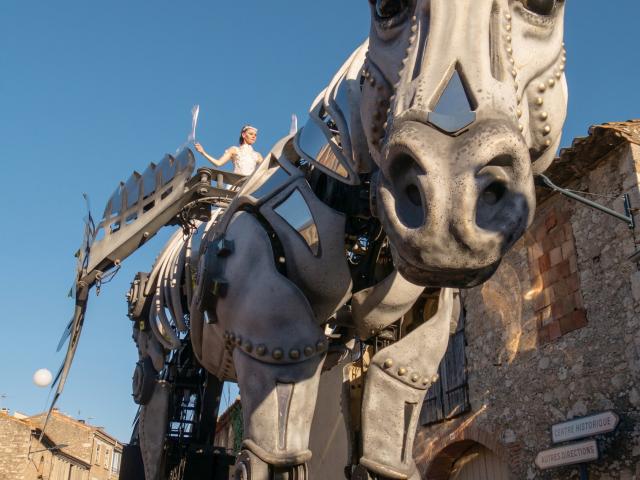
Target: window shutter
(453, 373)
(432, 411)
(449, 396)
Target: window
(107, 453)
(96, 460)
(115, 463)
(449, 396)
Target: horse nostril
(491, 207)
(403, 174)
(493, 193)
(413, 194)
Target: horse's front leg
(277, 350)
(278, 402)
(395, 386)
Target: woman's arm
(226, 156)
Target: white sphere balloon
(42, 377)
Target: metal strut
(626, 218)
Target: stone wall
(553, 265)
(555, 335)
(14, 445)
(24, 457)
(62, 429)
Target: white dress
(246, 160)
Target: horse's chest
(307, 236)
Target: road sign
(604, 422)
(568, 455)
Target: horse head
(462, 104)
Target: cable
(594, 194)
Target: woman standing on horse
(245, 159)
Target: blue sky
(90, 91)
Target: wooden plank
(454, 378)
(432, 410)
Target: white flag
(195, 111)
(293, 129)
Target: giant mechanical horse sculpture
(414, 173)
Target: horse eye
(386, 9)
(541, 7)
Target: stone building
(229, 432)
(229, 429)
(69, 450)
(553, 336)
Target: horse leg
(268, 329)
(395, 386)
(278, 402)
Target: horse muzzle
(452, 206)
